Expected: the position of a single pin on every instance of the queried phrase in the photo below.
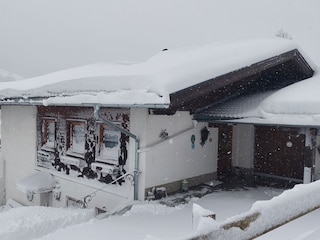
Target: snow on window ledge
(73, 161)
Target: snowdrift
(33, 222)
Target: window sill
(47, 148)
(75, 154)
(104, 168)
(73, 161)
(106, 160)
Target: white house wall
(243, 146)
(19, 155)
(108, 198)
(138, 123)
(161, 161)
(76, 185)
(174, 159)
(18, 147)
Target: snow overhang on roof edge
(290, 121)
(43, 103)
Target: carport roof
(237, 108)
(294, 105)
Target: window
(76, 137)
(72, 202)
(109, 144)
(48, 133)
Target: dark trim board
(270, 74)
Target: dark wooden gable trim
(270, 74)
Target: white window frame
(46, 144)
(108, 154)
(72, 150)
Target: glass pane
(110, 138)
(78, 138)
(50, 134)
(111, 146)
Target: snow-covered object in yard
(33, 222)
(38, 182)
(145, 83)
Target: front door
(224, 149)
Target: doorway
(224, 150)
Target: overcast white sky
(41, 36)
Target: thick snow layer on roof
(297, 104)
(297, 99)
(148, 82)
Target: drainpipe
(314, 149)
(137, 143)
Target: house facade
(93, 162)
(91, 142)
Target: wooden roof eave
(229, 85)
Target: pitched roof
(185, 79)
(269, 74)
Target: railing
(265, 216)
(83, 202)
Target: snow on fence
(264, 216)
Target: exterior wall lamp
(56, 192)
(30, 196)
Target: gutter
(43, 102)
(137, 145)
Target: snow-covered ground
(32, 222)
(156, 220)
(144, 219)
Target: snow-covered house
(105, 134)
